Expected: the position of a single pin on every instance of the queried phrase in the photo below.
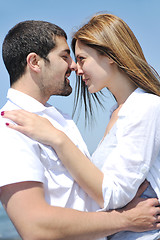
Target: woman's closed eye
(80, 59)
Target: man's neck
(32, 92)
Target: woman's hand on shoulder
(33, 126)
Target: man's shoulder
(7, 107)
(65, 115)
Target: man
(38, 193)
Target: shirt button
(144, 169)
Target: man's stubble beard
(65, 91)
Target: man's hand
(143, 214)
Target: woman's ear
(33, 62)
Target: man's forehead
(62, 45)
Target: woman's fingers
(16, 127)
(32, 125)
(18, 116)
(24, 121)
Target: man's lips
(67, 76)
(67, 80)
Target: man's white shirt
(23, 159)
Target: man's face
(55, 73)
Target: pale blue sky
(141, 15)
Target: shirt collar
(25, 101)
(130, 101)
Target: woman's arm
(134, 154)
(87, 175)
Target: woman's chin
(92, 90)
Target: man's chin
(66, 92)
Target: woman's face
(96, 70)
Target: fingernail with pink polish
(7, 124)
(2, 113)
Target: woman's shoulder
(140, 100)
(141, 105)
(147, 101)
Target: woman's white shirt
(130, 152)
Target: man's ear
(33, 61)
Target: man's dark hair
(24, 38)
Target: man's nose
(73, 66)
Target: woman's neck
(122, 88)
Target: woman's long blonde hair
(111, 36)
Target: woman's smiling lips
(85, 80)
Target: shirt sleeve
(20, 158)
(128, 164)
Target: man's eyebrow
(67, 51)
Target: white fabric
(130, 153)
(23, 159)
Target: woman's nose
(79, 71)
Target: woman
(109, 55)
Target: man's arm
(34, 219)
